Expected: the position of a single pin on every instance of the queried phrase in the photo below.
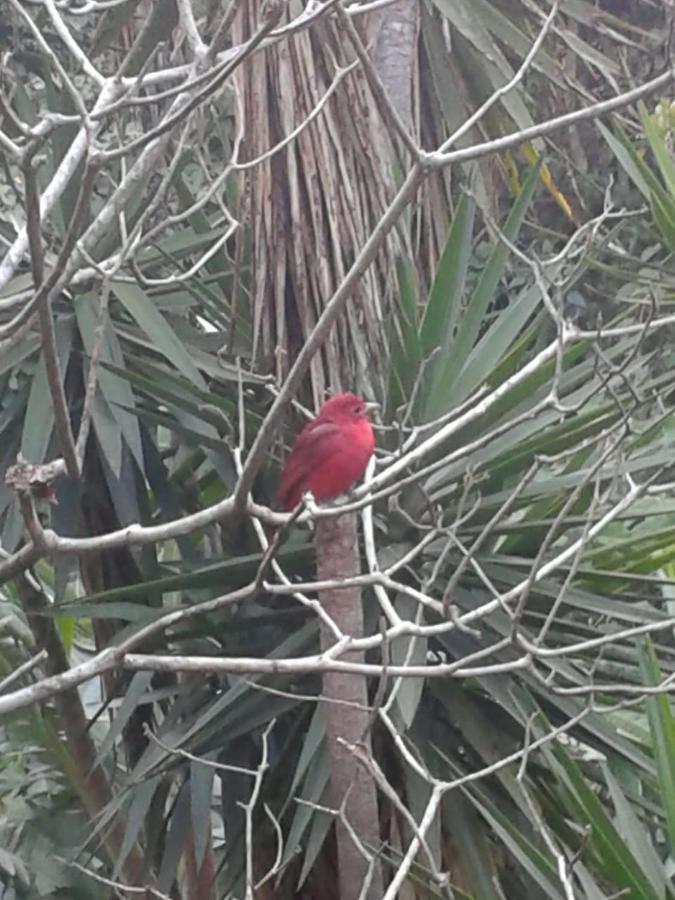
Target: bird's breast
(345, 464)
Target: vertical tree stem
(352, 787)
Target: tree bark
(396, 55)
(352, 788)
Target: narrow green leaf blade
(443, 305)
(662, 725)
(484, 293)
(165, 341)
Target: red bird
(331, 452)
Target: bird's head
(346, 407)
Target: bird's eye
(358, 410)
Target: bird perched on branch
(331, 452)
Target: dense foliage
(515, 327)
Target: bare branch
(594, 111)
(44, 311)
(249, 809)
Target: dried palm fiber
(312, 206)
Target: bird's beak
(371, 407)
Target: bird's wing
(310, 446)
